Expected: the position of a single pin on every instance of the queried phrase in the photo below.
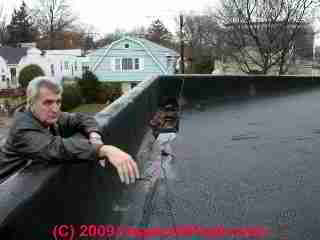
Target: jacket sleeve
(78, 122)
(39, 144)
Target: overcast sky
(107, 15)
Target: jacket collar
(53, 128)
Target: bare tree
(3, 26)
(89, 36)
(263, 33)
(139, 31)
(111, 37)
(193, 39)
(53, 17)
(202, 38)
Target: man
(43, 133)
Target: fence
(12, 92)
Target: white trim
(141, 62)
(113, 64)
(136, 41)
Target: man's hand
(123, 162)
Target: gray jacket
(29, 140)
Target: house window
(126, 45)
(52, 70)
(85, 68)
(3, 78)
(136, 64)
(127, 64)
(13, 73)
(66, 65)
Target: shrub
(204, 66)
(68, 80)
(108, 92)
(28, 73)
(102, 94)
(89, 85)
(71, 97)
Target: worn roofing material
(13, 55)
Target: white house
(58, 64)
(36, 57)
(10, 60)
(13, 60)
(66, 64)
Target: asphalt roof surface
(249, 162)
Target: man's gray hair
(35, 84)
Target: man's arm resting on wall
(37, 144)
(79, 122)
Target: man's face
(47, 106)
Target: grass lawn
(89, 108)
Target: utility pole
(88, 40)
(181, 45)
(86, 44)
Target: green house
(131, 60)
